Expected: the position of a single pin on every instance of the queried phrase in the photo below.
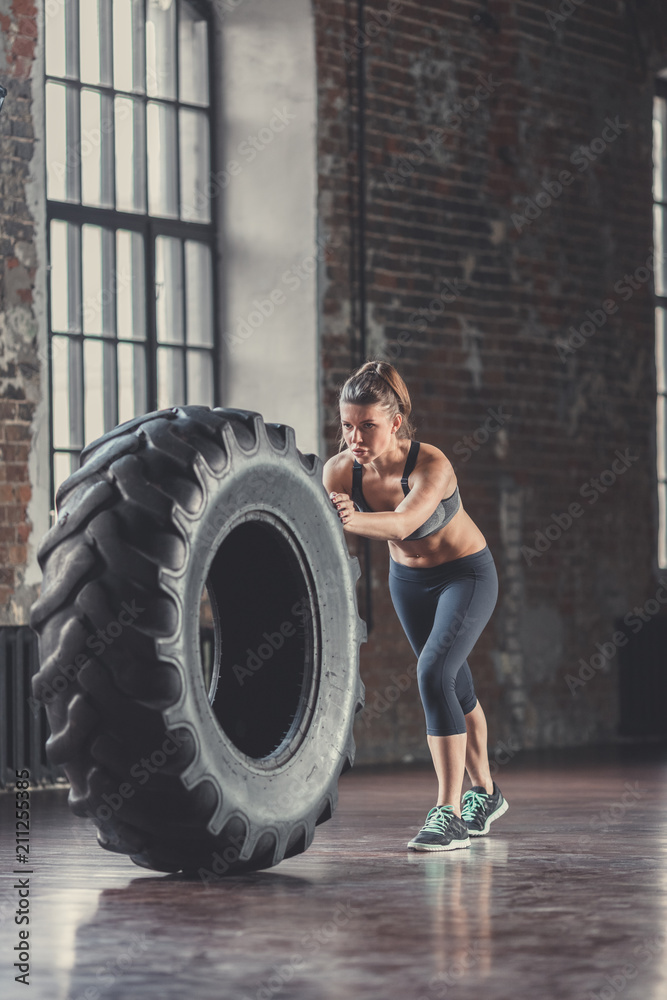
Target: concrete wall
(270, 249)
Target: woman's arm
(433, 480)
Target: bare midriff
(461, 537)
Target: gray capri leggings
(443, 610)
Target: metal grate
(24, 728)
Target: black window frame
(149, 227)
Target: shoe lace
(472, 803)
(438, 819)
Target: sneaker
(442, 831)
(480, 809)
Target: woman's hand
(344, 506)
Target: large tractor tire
(213, 767)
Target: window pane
(64, 261)
(67, 429)
(128, 45)
(660, 437)
(168, 290)
(193, 55)
(161, 48)
(131, 381)
(62, 137)
(94, 398)
(97, 277)
(162, 181)
(659, 246)
(130, 293)
(200, 378)
(198, 293)
(63, 467)
(94, 41)
(195, 203)
(659, 148)
(130, 155)
(55, 44)
(100, 385)
(170, 390)
(662, 525)
(660, 349)
(96, 127)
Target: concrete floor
(566, 898)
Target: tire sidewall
(294, 497)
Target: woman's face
(367, 430)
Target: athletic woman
(442, 581)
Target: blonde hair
(378, 382)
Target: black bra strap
(410, 463)
(357, 471)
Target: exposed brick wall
(465, 223)
(499, 336)
(19, 371)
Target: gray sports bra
(442, 514)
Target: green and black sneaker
(480, 809)
(442, 831)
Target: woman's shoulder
(429, 454)
(337, 471)
(433, 462)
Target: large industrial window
(130, 232)
(660, 281)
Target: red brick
(7, 409)
(17, 555)
(17, 432)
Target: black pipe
(361, 257)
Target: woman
(442, 581)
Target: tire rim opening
(262, 678)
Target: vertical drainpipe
(361, 257)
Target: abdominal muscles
(461, 537)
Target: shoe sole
(436, 847)
(500, 811)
